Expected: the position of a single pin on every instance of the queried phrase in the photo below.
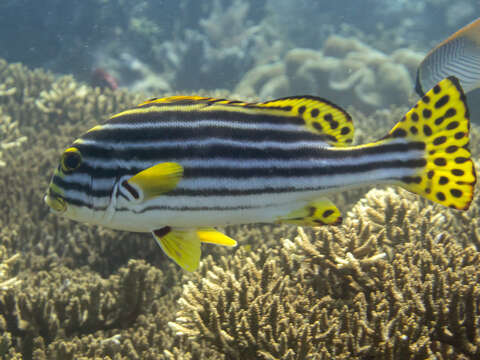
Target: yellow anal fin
(317, 213)
(182, 246)
(154, 181)
(212, 236)
(333, 124)
(439, 123)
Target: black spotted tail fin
(440, 120)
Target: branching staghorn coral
(249, 308)
(10, 137)
(41, 101)
(381, 286)
(69, 304)
(354, 292)
(7, 282)
(6, 262)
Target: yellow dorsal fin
(182, 246)
(154, 181)
(322, 117)
(179, 100)
(212, 236)
(317, 213)
(333, 125)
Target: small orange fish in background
(458, 55)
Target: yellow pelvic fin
(212, 236)
(155, 181)
(182, 246)
(440, 121)
(317, 213)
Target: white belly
(198, 212)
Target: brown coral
(397, 280)
(389, 292)
(75, 304)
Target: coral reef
(6, 263)
(58, 320)
(345, 71)
(353, 293)
(10, 137)
(397, 280)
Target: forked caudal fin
(440, 120)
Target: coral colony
(399, 279)
(285, 291)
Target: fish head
(69, 193)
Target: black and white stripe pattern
(232, 162)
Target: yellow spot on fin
(154, 181)
(212, 236)
(322, 117)
(439, 122)
(182, 246)
(316, 213)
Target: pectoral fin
(317, 213)
(182, 246)
(154, 181)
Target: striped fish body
(179, 166)
(239, 166)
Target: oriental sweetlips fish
(458, 55)
(179, 166)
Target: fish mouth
(55, 203)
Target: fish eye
(71, 159)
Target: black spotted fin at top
(439, 122)
(322, 117)
(333, 125)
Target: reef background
(399, 279)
